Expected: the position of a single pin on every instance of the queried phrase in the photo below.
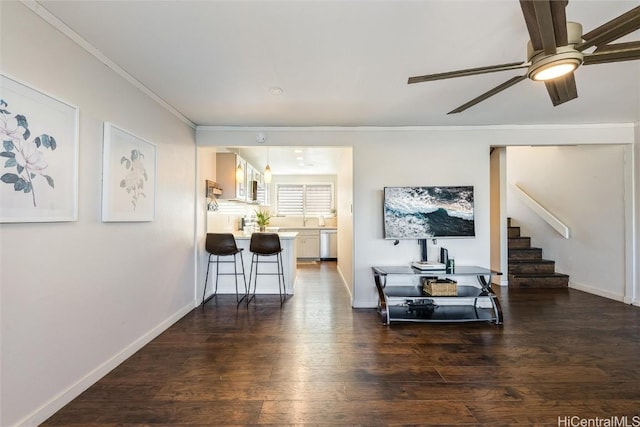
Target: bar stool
(222, 245)
(266, 245)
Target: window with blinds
(318, 199)
(304, 199)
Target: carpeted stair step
(513, 232)
(532, 266)
(554, 280)
(524, 253)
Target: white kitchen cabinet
(307, 242)
(252, 188)
(310, 246)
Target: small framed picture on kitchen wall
(128, 176)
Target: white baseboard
(56, 403)
(595, 291)
(344, 283)
(365, 304)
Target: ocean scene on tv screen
(419, 212)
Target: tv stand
(475, 301)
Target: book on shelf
(428, 265)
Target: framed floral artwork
(128, 176)
(38, 156)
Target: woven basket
(440, 287)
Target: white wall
(414, 160)
(499, 214)
(344, 208)
(79, 297)
(633, 251)
(206, 171)
(583, 186)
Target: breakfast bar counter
(266, 284)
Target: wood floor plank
(163, 412)
(315, 361)
(522, 374)
(376, 412)
(430, 391)
(205, 390)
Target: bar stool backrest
(221, 244)
(265, 243)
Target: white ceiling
(345, 63)
(291, 160)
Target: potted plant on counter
(262, 219)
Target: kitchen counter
(284, 235)
(308, 228)
(266, 284)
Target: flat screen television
(428, 212)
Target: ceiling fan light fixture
(553, 71)
(553, 66)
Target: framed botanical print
(38, 156)
(128, 176)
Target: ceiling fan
(556, 49)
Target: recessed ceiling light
(297, 151)
(276, 90)
(299, 158)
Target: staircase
(527, 269)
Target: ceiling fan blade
(529, 14)
(546, 22)
(544, 19)
(622, 25)
(614, 53)
(468, 72)
(488, 94)
(562, 89)
(559, 14)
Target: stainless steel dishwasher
(328, 244)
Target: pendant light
(267, 170)
(239, 171)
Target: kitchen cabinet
(307, 242)
(234, 187)
(252, 187)
(249, 187)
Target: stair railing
(542, 212)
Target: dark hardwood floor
(560, 354)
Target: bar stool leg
(235, 272)
(217, 274)
(283, 294)
(206, 280)
(249, 295)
